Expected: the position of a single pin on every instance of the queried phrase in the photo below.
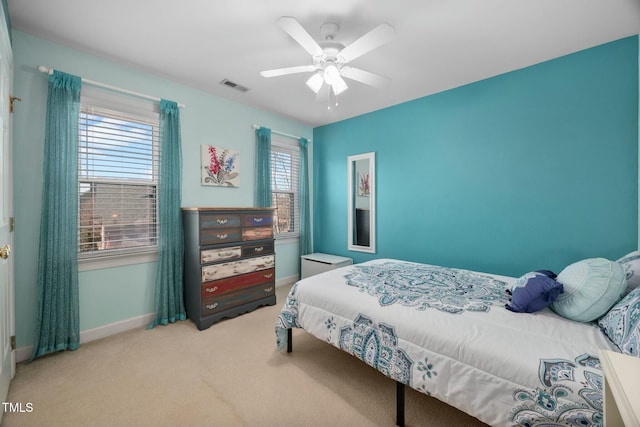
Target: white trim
(289, 280)
(97, 263)
(24, 353)
(116, 327)
(351, 160)
(286, 240)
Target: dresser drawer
(219, 220)
(229, 284)
(258, 219)
(214, 236)
(227, 269)
(234, 299)
(263, 248)
(257, 233)
(220, 254)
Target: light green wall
(116, 294)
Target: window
(117, 175)
(284, 188)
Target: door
(7, 355)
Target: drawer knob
(222, 221)
(222, 236)
(212, 290)
(269, 289)
(260, 249)
(212, 306)
(268, 276)
(257, 220)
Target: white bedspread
(445, 332)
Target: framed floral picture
(363, 184)
(220, 166)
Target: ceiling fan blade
(289, 70)
(299, 34)
(375, 38)
(365, 77)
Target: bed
(445, 332)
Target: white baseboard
(289, 280)
(24, 353)
(116, 327)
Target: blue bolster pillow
(534, 291)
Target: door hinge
(13, 99)
(12, 224)
(13, 342)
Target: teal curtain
(57, 324)
(263, 167)
(169, 296)
(303, 196)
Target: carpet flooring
(227, 375)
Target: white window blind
(284, 189)
(117, 174)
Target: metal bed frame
(400, 387)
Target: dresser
(621, 389)
(229, 262)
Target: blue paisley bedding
(445, 332)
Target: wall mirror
(362, 202)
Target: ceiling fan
(330, 58)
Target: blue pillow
(534, 291)
(591, 288)
(622, 323)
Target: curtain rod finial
(44, 69)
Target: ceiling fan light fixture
(339, 86)
(330, 58)
(331, 73)
(315, 82)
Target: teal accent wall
(533, 169)
(115, 294)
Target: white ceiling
(439, 44)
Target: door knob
(5, 251)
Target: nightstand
(317, 263)
(621, 389)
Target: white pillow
(631, 265)
(622, 324)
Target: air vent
(233, 85)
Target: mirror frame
(352, 246)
